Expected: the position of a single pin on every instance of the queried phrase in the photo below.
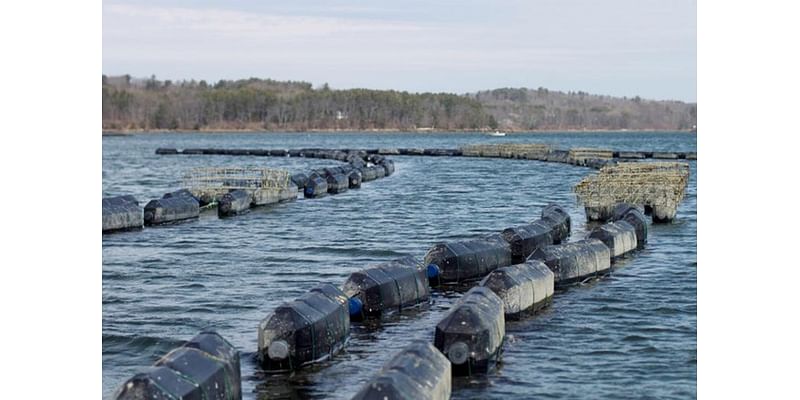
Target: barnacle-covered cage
(578, 154)
(657, 186)
(209, 184)
(508, 150)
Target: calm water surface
(631, 335)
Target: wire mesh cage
(214, 182)
(657, 184)
(505, 150)
(586, 153)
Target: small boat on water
(497, 133)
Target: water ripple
(629, 335)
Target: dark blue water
(630, 335)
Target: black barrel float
(202, 201)
(418, 372)
(331, 171)
(206, 367)
(171, 209)
(180, 193)
(121, 213)
(576, 261)
(235, 202)
(299, 179)
(665, 155)
(356, 160)
(599, 212)
(163, 151)
(278, 153)
(358, 163)
(339, 155)
(368, 174)
(316, 186)
(375, 158)
(524, 288)
(619, 237)
(263, 197)
(631, 155)
(387, 287)
(337, 183)
(311, 328)
(379, 171)
(558, 219)
(319, 171)
(524, 239)
(354, 179)
(468, 260)
(471, 334)
(388, 166)
(634, 216)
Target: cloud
(565, 44)
(242, 25)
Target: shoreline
(130, 132)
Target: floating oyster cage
(586, 153)
(535, 151)
(511, 150)
(214, 182)
(655, 184)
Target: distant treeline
(263, 104)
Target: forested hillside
(263, 104)
(535, 109)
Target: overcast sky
(615, 47)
